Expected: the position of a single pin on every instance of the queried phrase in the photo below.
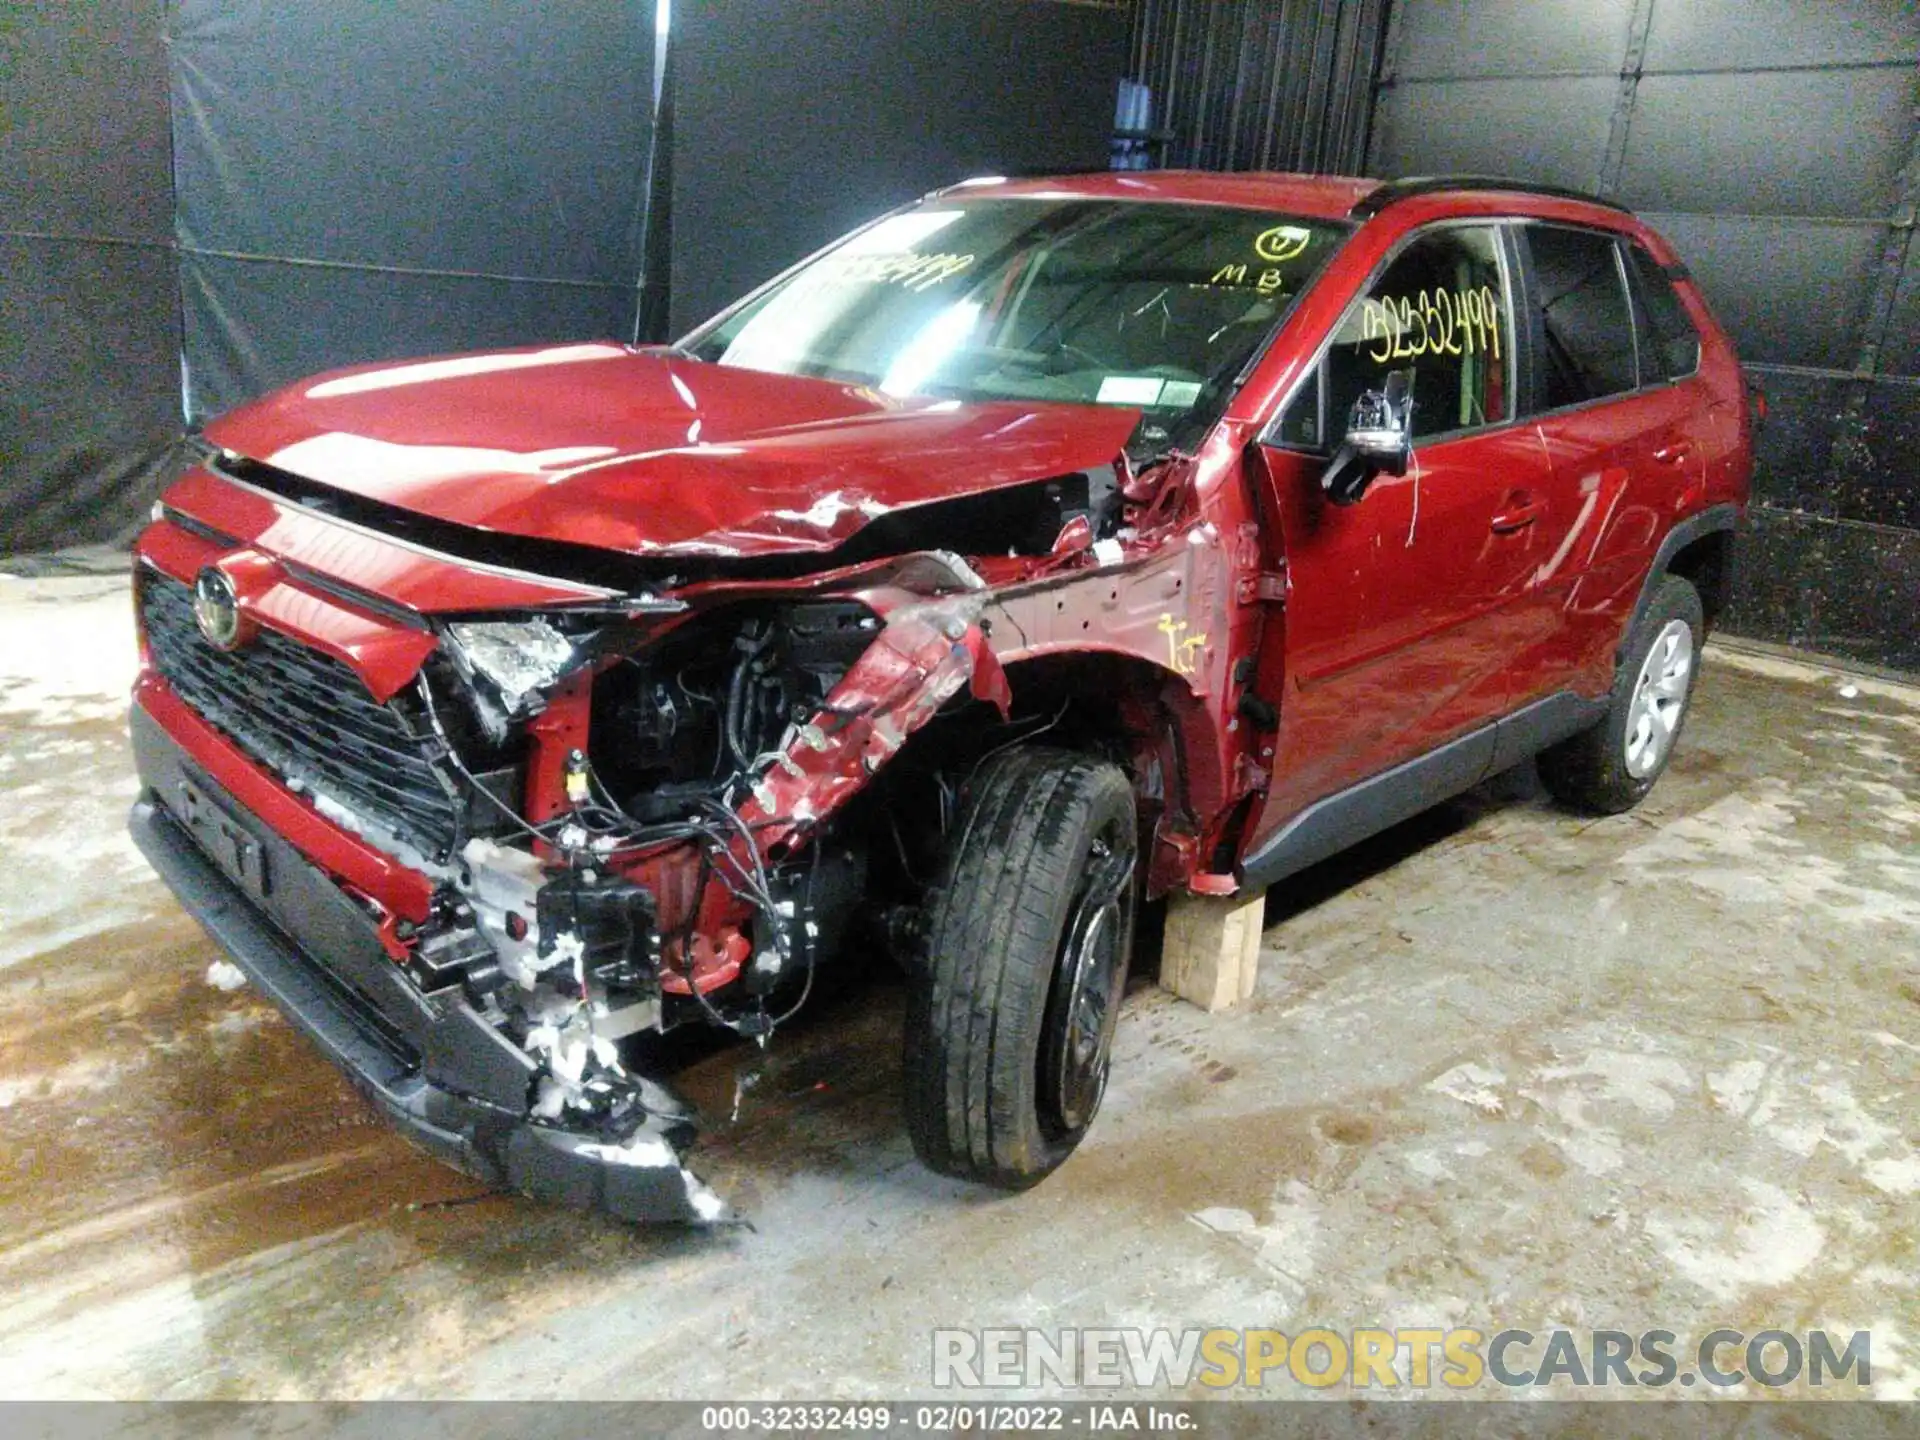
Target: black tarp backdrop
(274, 189)
(367, 181)
(89, 315)
(364, 179)
(795, 120)
(1778, 147)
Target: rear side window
(1672, 346)
(1580, 293)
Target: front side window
(1438, 311)
(1155, 306)
(1580, 293)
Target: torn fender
(926, 653)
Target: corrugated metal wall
(861, 105)
(1778, 147)
(1260, 84)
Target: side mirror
(1379, 440)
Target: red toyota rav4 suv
(1040, 549)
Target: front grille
(307, 716)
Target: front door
(1403, 610)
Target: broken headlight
(511, 665)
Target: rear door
(1625, 443)
(1693, 438)
(1402, 609)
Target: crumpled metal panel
(644, 452)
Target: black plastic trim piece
(1714, 520)
(1330, 825)
(1532, 728)
(1392, 192)
(440, 1123)
(406, 1076)
(1345, 818)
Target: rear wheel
(1010, 1016)
(1611, 767)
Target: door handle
(1673, 454)
(1518, 511)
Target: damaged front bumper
(429, 1062)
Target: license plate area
(232, 846)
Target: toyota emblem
(216, 609)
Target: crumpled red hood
(647, 451)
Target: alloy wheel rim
(1659, 699)
(1077, 1043)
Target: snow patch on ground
(1284, 1245)
(1742, 849)
(1774, 1239)
(67, 649)
(1896, 1176)
(1472, 1085)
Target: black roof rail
(1391, 192)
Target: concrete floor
(1504, 1067)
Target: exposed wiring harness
(613, 832)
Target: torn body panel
(682, 830)
(323, 950)
(647, 453)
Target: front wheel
(1611, 767)
(1011, 1013)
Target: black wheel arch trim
(1722, 519)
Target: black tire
(1593, 770)
(999, 1085)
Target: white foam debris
(551, 1100)
(1849, 691)
(372, 831)
(645, 1152)
(706, 1204)
(567, 1049)
(225, 975)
